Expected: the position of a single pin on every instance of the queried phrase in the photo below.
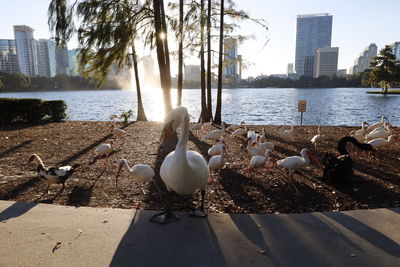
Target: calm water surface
(339, 106)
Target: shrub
(31, 110)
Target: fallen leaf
(263, 251)
(353, 255)
(105, 221)
(57, 246)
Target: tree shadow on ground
(12, 149)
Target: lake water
(339, 106)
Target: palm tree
(217, 117)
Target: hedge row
(31, 110)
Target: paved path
(49, 235)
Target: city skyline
(353, 29)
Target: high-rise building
(51, 54)
(8, 56)
(26, 50)
(231, 57)
(313, 31)
(192, 73)
(364, 59)
(62, 65)
(326, 61)
(341, 73)
(72, 63)
(43, 59)
(396, 49)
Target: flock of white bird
(184, 171)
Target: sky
(356, 24)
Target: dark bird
(54, 175)
(339, 169)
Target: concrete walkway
(48, 235)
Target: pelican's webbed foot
(164, 217)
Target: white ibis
(252, 149)
(104, 149)
(259, 161)
(216, 149)
(54, 175)
(286, 135)
(234, 127)
(239, 132)
(140, 173)
(217, 162)
(377, 124)
(253, 136)
(263, 137)
(216, 134)
(380, 132)
(263, 146)
(380, 142)
(294, 162)
(183, 171)
(316, 138)
(117, 132)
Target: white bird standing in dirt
(316, 138)
(360, 131)
(104, 149)
(286, 135)
(52, 175)
(217, 162)
(263, 146)
(119, 133)
(216, 149)
(139, 173)
(380, 132)
(216, 134)
(252, 149)
(259, 161)
(263, 137)
(239, 132)
(294, 162)
(234, 127)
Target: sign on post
(302, 107)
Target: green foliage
(386, 69)
(31, 110)
(125, 115)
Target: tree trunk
(217, 117)
(202, 67)
(180, 56)
(141, 116)
(209, 71)
(385, 89)
(162, 53)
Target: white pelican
(286, 135)
(234, 127)
(183, 171)
(119, 133)
(263, 137)
(140, 173)
(377, 124)
(217, 162)
(316, 138)
(294, 162)
(52, 175)
(380, 132)
(104, 149)
(259, 161)
(216, 134)
(216, 149)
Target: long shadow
(12, 149)
(20, 125)
(189, 242)
(19, 189)
(246, 224)
(15, 210)
(366, 232)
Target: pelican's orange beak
(313, 157)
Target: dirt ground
(376, 185)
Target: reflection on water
(340, 106)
